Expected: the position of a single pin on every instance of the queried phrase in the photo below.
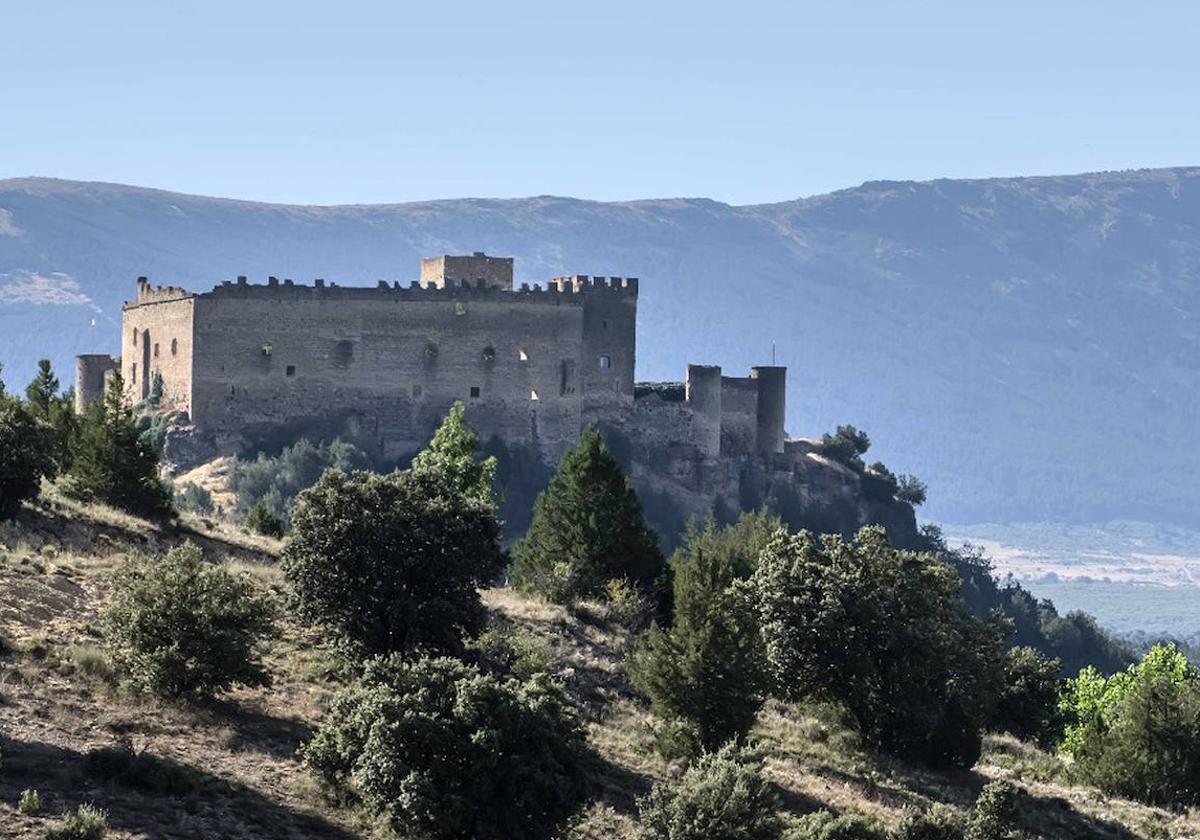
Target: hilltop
(230, 769)
(1027, 345)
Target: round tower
(703, 393)
(772, 404)
(91, 377)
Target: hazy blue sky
(746, 102)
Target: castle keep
(247, 363)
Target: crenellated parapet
(584, 284)
(157, 294)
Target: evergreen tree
(112, 464)
(24, 455)
(56, 413)
(707, 669)
(452, 454)
(587, 529)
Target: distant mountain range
(1028, 346)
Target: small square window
(474, 390)
(605, 362)
(533, 395)
(291, 370)
(522, 356)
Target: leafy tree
(846, 445)
(707, 669)
(24, 456)
(587, 529)
(392, 563)
(883, 633)
(911, 489)
(1137, 733)
(721, 796)
(111, 463)
(262, 520)
(178, 626)
(444, 751)
(453, 454)
(1029, 704)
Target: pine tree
(24, 458)
(587, 529)
(42, 391)
(112, 464)
(452, 455)
(708, 669)
(55, 412)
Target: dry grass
(229, 769)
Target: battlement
(157, 294)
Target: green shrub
(112, 464)
(140, 771)
(442, 750)
(1029, 704)
(87, 822)
(722, 796)
(629, 605)
(940, 822)
(823, 825)
(514, 652)
(24, 456)
(995, 813)
(884, 634)
(275, 481)
(392, 563)
(193, 498)
(587, 529)
(178, 626)
(708, 668)
(30, 803)
(1137, 734)
(264, 521)
(90, 661)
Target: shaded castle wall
(157, 336)
(739, 415)
(771, 407)
(609, 351)
(703, 389)
(392, 359)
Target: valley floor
(230, 769)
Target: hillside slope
(1030, 346)
(230, 769)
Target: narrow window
(522, 356)
(474, 390)
(604, 324)
(135, 338)
(133, 371)
(291, 370)
(156, 349)
(174, 346)
(605, 362)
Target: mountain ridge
(1030, 346)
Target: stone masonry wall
(157, 336)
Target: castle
(246, 363)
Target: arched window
(174, 346)
(522, 355)
(605, 362)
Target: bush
(392, 563)
(1137, 734)
(275, 481)
(823, 825)
(112, 464)
(587, 529)
(30, 803)
(846, 445)
(193, 498)
(629, 605)
(883, 633)
(440, 749)
(264, 521)
(87, 822)
(24, 456)
(707, 669)
(940, 822)
(995, 812)
(1028, 705)
(178, 626)
(722, 796)
(141, 771)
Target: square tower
(476, 271)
